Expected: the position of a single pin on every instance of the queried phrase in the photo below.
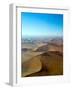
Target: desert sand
(42, 58)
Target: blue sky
(41, 25)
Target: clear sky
(36, 24)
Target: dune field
(42, 57)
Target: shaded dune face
(51, 64)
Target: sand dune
(31, 66)
(42, 59)
(49, 47)
(49, 63)
(52, 64)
